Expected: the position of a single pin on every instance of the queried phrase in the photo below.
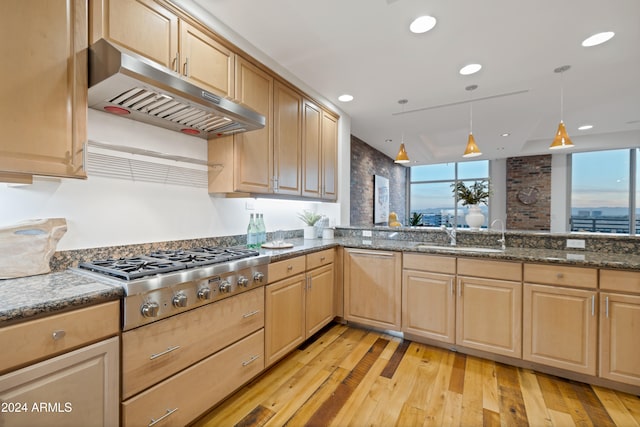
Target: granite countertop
(33, 296)
(577, 257)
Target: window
(604, 191)
(430, 191)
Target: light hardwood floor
(354, 377)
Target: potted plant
(310, 219)
(472, 196)
(415, 219)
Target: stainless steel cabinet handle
(593, 305)
(459, 287)
(169, 350)
(559, 275)
(59, 334)
(322, 258)
(252, 313)
(185, 68)
(451, 286)
(176, 62)
(251, 360)
(310, 282)
(289, 267)
(154, 422)
(606, 306)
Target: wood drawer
(618, 280)
(318, 259)
(158, 350)
(188, 394)
(287, 268)
(52, 335)
(502, 270)
(433, 263)
(577, 277)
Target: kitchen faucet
(451, 233)
(502, 240)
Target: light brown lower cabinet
(488, 315)
(428, 297)
(79, 388)
(620, 326)
(186, 395)
(620, 337)
(299, 305)
(373, 288)
(284, 317)
(560, 327)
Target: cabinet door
(488, 315)
(319, 299)
(429, 305)
(560, 327)
(253, 151)
(205, 62)
(142, 26)
(43, 113)
(329, 157)
(372, 288)
(311, 146)
(284, 317)
(619, 338)
(79, 388)
(287, 140)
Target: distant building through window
(431, 192)
(604, 191)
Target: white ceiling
(364, 47)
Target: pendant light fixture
(561, 140)
(402, 156)
(472, 149)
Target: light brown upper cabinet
(43, 115)
(151, 30)
(287, 140)
(319, 152)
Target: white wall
(103, 211)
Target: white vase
(309, 232)
(475, 217)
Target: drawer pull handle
(559, 275)
(606, 306)
(322, 258)
(593, 305)
(290, 267)
(154, 422)
(253, 313)
(162, 353)
(251, 360)
(59, 334)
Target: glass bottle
(252, 233)
(262, 231)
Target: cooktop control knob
(204, 293)
(258, 277)
(225, 287)
(150, 309)
(180, 300)
(243, 281)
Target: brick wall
(366, 162)
(531, 174)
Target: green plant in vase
(472, 196)
(415, 219)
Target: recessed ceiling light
(597, 39)
(470, 69)
(345, 98)
(422, 24)
(505, 134)
(585, 127)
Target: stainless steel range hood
(127, 84)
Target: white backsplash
(107, 211)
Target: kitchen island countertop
(578, 258)
(34, 296)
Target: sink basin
(460, 248)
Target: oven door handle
(169, 350)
